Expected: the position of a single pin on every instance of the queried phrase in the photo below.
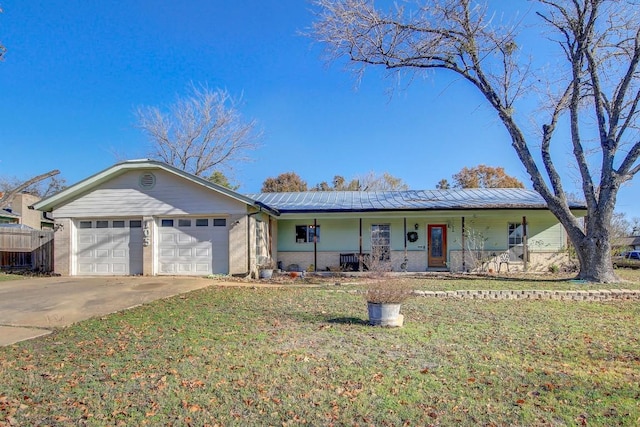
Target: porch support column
(405, 237)
(525, 246)
(315, 244)
(464, 262)
(405, 262)
(360, 250)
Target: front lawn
(7, 276)
(304, 356)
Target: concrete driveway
(32, 307)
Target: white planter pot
(385, 314)
(265, 273)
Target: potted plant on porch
(265, 268)
(384, 294)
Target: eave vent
(147, 181)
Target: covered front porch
(421, 241)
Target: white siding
(171, 195)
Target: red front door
(437, 238)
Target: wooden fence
(26, 249)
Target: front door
(437, 238)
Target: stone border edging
(591, 295)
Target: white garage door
(193, 246)
(109, 247)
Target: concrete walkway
(32, 307)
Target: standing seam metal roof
(354, 201)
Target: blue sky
(75, 70)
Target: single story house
(146, 217)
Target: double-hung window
(516, 240)
(307, 233)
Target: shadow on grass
(348, 321)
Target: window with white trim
(381, 241)
(307, 233)
(516, 240)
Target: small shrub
(553, 268)
(384, 289)
(388, 291)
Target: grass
(451, 282)
(7, 276)
(305, 356)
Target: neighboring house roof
(76, 190)
(366, 201)
(8, 214)
(18, 226)
(627, 241)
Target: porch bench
(351, 262)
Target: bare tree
(595, 91)
(200, 132)
(367, 182)
(385, 182)
(9, 193)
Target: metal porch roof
(367, 201)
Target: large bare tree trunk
(594, 254)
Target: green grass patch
(6, 276)
(305, 356)
(630, 279)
